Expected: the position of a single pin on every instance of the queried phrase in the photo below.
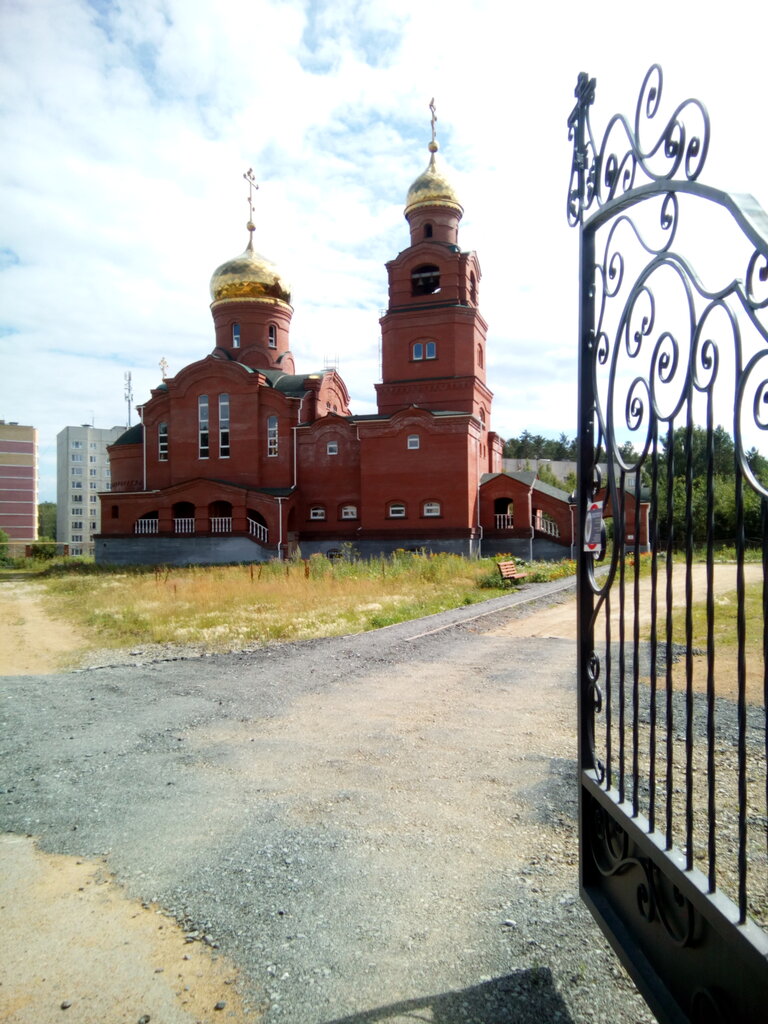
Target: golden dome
(249, 276)
(432, 188)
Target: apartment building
(18, 481)
(82, 472)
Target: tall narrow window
(162, 442)
(235, 335)
(272, 436)
(431, 350)
(224, 426)
(272, 334)
(202, 426)
(427, 230)
(418, 350)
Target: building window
(235, 335)
(77, 444)
(162, 442)
(414, 441)
(115, 511)
(224, 426)
(93, 526)
(272, 436)
(431, 350)
(349, 511)
(93, 446)
(317, 512)
(77, 471)
(93, 499)
(480, 356)
(332, 448)
(92, 486)
(418, 350)
(92, 458)
(202, 426)
(77, 536)
(77, 458)
(272, 336)
(76, 524)
(77, 497)
(425, 280)
(431, 508)
(76, 511)
(93, 472)
(107, 486)
(92, 512)
(77, 483)
(396, 510)
(473, 288)
(427, 230)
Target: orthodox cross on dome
(252, 184)
(163, 364)
(433, 143)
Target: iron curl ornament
(604, 172)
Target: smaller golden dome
(432, 188)
(249, 276)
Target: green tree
(46, 519)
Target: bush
(44, 548)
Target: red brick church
(239, 457)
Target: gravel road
(372, 828)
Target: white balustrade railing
(505, 521)
(185, 525)
(221, 524)
(146, 526)
(548, 526)
(261, 533)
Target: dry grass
(228, 608)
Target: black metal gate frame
(651, 844)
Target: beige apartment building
(18, 481)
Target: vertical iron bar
(636, 653)
(653, 540)
(741, 635)
(622, 664)
(689, 635)
(668, 637)
(711, 761)
(764, 525)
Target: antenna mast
(128, 391)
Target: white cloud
(130, 123)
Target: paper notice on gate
(593, 526)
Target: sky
(127, 127)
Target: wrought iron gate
(673, 634)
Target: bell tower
(433, 335)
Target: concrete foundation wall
(179, 551)
(543, 550)
(374, 548)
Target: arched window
(473, 289)
(418, 350)
(235, 335)
(480, 356)
(162, 442)
(272, 436)
(317, 512)
(202, 426)
(396, 510)
(432, 508)
(272, 336)
(425, 280)
(224, 426)
(431, 350)
(349, 511)
(332, 448)
(427, 230)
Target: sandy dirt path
(32, 642)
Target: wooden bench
(509, 571)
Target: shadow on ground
(523, 996)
